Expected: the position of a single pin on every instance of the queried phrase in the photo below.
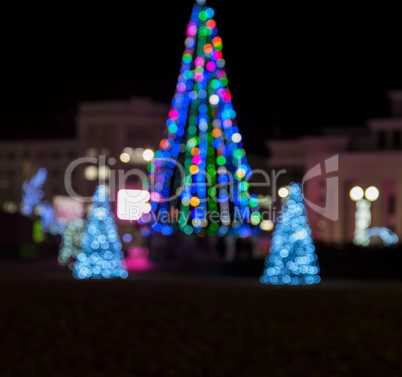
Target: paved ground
(164, 324)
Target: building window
(10, 207)
(132, 181)
(92, 152)
(41, 154)
(382, 140)
(104, 172)
(71, 154)
(139, 135)
(391, 204)
(91, 173)
(105, 133)
(91, 132)
(397, 140)
(3, 183)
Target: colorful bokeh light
(202, 135)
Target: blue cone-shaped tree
(101, 256)
(292, 259)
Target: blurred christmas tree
(198, 179)
(292, 259)
(101, 255)
(33, 203)
(71, 242)
(32, 192)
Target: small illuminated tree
(33, 203)
(71, 242)
(292, 259)
(32, 193)
(101, 256)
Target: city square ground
(167, 324)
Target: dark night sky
(300, 66)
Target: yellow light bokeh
(194, 169)
(148, 155)
(283, 192)
(195, 202)
(267, 225)
(372, 193)
(125, 157)
(91, 173)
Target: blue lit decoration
(388, 237)
(32, 192)
(292, 260)
(101, 256)
(362, 222)
(365, 236)
(71, 242)
(202, 136)
(33, 203)
(47, 218)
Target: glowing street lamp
(372, 193)
(363, 201)
(356, 193)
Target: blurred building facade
(369, 156)
(120, 132)
(117, 130)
